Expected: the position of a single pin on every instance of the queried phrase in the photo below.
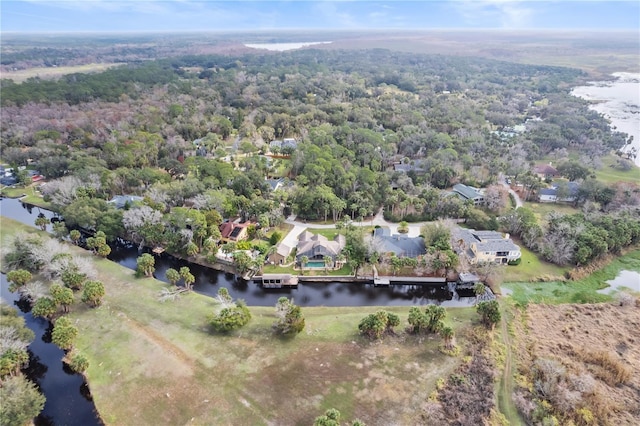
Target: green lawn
(579, 291)
(275, 269)
(160, 363)
(532, 268)
(331, 233)
(610, 175)
(542, 210)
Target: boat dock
(277, 281)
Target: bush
(275, 238)
(78, 362)
(515, 262)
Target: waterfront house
(484, 246)
(279, 256)
(401, 245)
(316, 246)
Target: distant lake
(281, 47)
(619, 101)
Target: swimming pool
(314, 264)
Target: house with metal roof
(469, 193)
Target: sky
(211, 15)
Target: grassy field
(542, 210)
(51, 73)
(610, 175)
(532, 268)
(579, 291)
(159, 363)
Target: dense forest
(189, 134)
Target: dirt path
(505, 391)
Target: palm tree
(328, 261)
(42, 222)
(479, 289)
(447, 334)
(303, 261)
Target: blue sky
(198, 15)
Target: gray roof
(400, 244)
(467, 192)
(484, 240)
(317, 245)
(548, 191)
(488, 235)
(275, 183)
(401, 167)
(497, 245)
(283, 250)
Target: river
(68, 398)
(619, 101)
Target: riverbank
(159, 363)
(619, 101)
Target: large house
(484, 246)
(567, 195)
(469, 193)
(399, 244)
(316, 246)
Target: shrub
(78, 362)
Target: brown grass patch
(596, 352)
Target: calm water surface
(68, 398)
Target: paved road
(378, 219)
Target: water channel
(208, 281)
(68, 398)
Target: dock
(278, 281)
(381, 282)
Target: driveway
(516, 197)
